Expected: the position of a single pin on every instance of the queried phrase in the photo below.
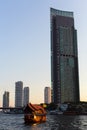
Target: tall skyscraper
(19, 94)
(64, 57)
(6, 99)
(26, 95)
(47, 95)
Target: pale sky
(25, 45)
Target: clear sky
(25, 44)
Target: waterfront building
(6, 99)
(64, 57)
(26, 95)
(47, 95)
(19, 94)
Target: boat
(55, 112)
(70, 113)
(34, 113)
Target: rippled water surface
(54, 122)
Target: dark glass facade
(64, 57)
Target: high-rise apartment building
(19, 94)
(6, 99)
(64, 57)
(47, 95)
(26, 95)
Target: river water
(53, 122)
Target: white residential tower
(47, 95)
(19, 94)
(26, 95)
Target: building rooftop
(61, 13)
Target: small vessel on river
(34, 113)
